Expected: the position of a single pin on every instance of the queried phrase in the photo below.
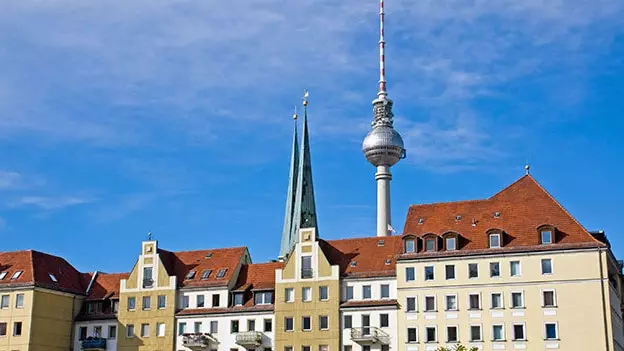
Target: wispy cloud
(9, 180)
(49, 203)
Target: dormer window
(546, 234)
(2, 275)
(206, 274)
(430, 243)
(450, 243)
(264, 298)
(410, 245)
(221, 273)
(190, 275)
(53, 277)
(238, 299)
(16, 275)
(495, 240)
(388, 261)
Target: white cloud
(9, 180)
(49, 203)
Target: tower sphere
(383, 146)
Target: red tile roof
(106, 285)
(523, 207)
(257, 276)
(366, 253)
(40, 269)
(235, 309)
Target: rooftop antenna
(382, 94)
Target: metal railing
(197, 341)
(148, 283)
(369, 335)
(249, 338)
(306, 273)
(93, 343)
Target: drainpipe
(604, 304)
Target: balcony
(250, 339)
(369, 335)
(93, 344)
(148, 283)
(198, 341)
(306, 273)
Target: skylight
(16, 275)
(208, 255)
(221, 273)
(353, 263)
(388, 261)
(206, 274)
(380, 243)
(53, 277)
(421, 220)
(190, 275)
(2, 275)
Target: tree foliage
(458, 348)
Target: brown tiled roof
(369, 303)
(257, 276)
(106, 285)
(37, 270)
(366, 253)
(237, 309)
(523, 207)
(182, 262)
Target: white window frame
(433, 240)
(502, 339)
(519, 269)
(511, 304)
(381, 291)
(370, 289)
(413, 241)
(454, 272)
(435, 328)
(407, 335)
(542, 236)
(435, 303)
(291, 298)
(490, 236)
(446, 307)
(286, 324)
(303, 294)
(556, 330)
(321, 295)
(499, 270)
(554, 298)
(415, 304)
(446, 240)
(456, 333)
(130, 327)
(513, 331)
(158, 329)
(473, 263)
(17, 300)
(413, 269)
(303, 324)
(347, 288)
(480, 333)
(502, 298)
(470, 308)
(552, 266)
(147, 330)
(425, 273)
(321, 324)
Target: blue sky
(121, 117)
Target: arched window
(430, 242)
(409, 244)
(451, 241)
(495, 238)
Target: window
(498, 333)
(305, 348)
(251, 325)
(412, 335)
(473, 270)
(130, 330)
(430, 244)
(214, 327)
(185, 301)
(548, 298)
(2, 275)
(451, 334)
(181, 328)
(52, 277)
(429, 273)
(494, 269)
(475, 333)
(347, 348)
(451, 303)
(547, 266)
(115, 306)
(112, 331)
(517, 301)
(323, 293)
(385, 291)
(474, 301)
(323, 322)
(410, 246)
(197, 327)
(514, 268)
(206, 274)
(19, 301)
(451, 243)
(221, 273)
(268, 325)
(411, 304)
(233, 326)
(200, 301)
(162, 301)
(145, 330)
(216, 300)
(160, 329)
(546, 236)
(430, 304)
(349, 293)
(190, 275)
(366, 292)
(306, 267)
(288, 348)
(131, 303)
(306, 323)
(15, 276)
(238, 299)
(450, 271)
(289, 324)
(384, 320)
(147, 303)
(431, 334)
(264, 298)
(497, 300)
(82, 332)
(97, 331)
(307, 294)
(410, 274)
(289, 294)
(347, 321)
(5, 301)
(518, 332)
(323, 347)
(550, 331)
(148, 282)
(494, 240)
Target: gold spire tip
(306, 94)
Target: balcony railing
(306, 273)
(92, 343)
(148, 283)
(198, 341)
(369, 335)
(250, 339)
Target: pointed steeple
(304, 208)
(290, 197)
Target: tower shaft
(383, 177)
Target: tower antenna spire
(382, 94)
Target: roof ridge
(448, 202)
(512, 184)
(213, 249)
(362, 238)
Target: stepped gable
(363, 257)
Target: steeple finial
(150, 236)
(527, 168)
(306, 94)
(295, 115)
(382, 94)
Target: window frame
(158, 327)
(287, 292)
(446, 271)
(552, 268)
(480, 307)
(492, 265)
(407, 336)
(448, 340)
(349, 293)
(133, 299)
(407, 274)
(470, 336)
(511, 269)
(431, 270)
(321, 322)
(303, 323)
(292, 324)
(502, 300)
(381, 291)
(17, 300)
(344, 321)
(546, 338)
(365, 288)
(469, 270)
(435, 304)
(407, 300)
(513, 330)
(130, 331)
(430, 238)
(381, 319)
(554, 298)
(326, 289)
(492, 235)
(435, 334)
(446, 304)
(406, 244)
(511, 293)
(455, 238)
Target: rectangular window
(306, 267)
(145, 330)
(130, 331)
(497, 300)
(475, 333)
(385, 291)
(216, 300)
(206, 274)
(115, 306)
(162, 301)
(411, 304)
(289, 293)
(548, 298)
(412, 335)
(410, 246)
(518, 332)
(147, 277)
(450, 271)
(5, 301)
(323, 322)
(200, 301)
(221, 273)
(306, 323)
(473, 270)
(323, 347)
(546, 237)
(495, 240)
(451, 243)
(430, 304)
(131, 303)
(349, 293)
(147, 303)
(181, 328)
(550, 331)
(268, 325)
(82, 334)
(323, 293)
(289, 324)
(451, 303)
(112, 332)
(430, 245)
(251, 325)
(288, 348)
(514, 268)
(214, 327)
(474, 301)
(307, 294)
(305, 348)
(238, 299)
(185, 301)
(97, 331)
(234, 326)
(494, 269)
(197, 327)
(19, 301)
(347, 321)
(517, 301)
(366, 292)
(451, 334)
(160, 329)
(410, 274)
(384, 320)
(498, 333)
(264, 298)
(431, 334)
(429, 273)
(547, 266)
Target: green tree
(458, 348)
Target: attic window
(2, 275)
(353, 263)
(380, 243)
(430, 243)
(221, 273)
(388, 261)
(208, 255)
(546, 234)
(450, 243)
(421, 220)
(458, 218)
(53, 277)
(206, 274)
(190, 275)
(494, 240)
(16, 275)
(496, 214)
